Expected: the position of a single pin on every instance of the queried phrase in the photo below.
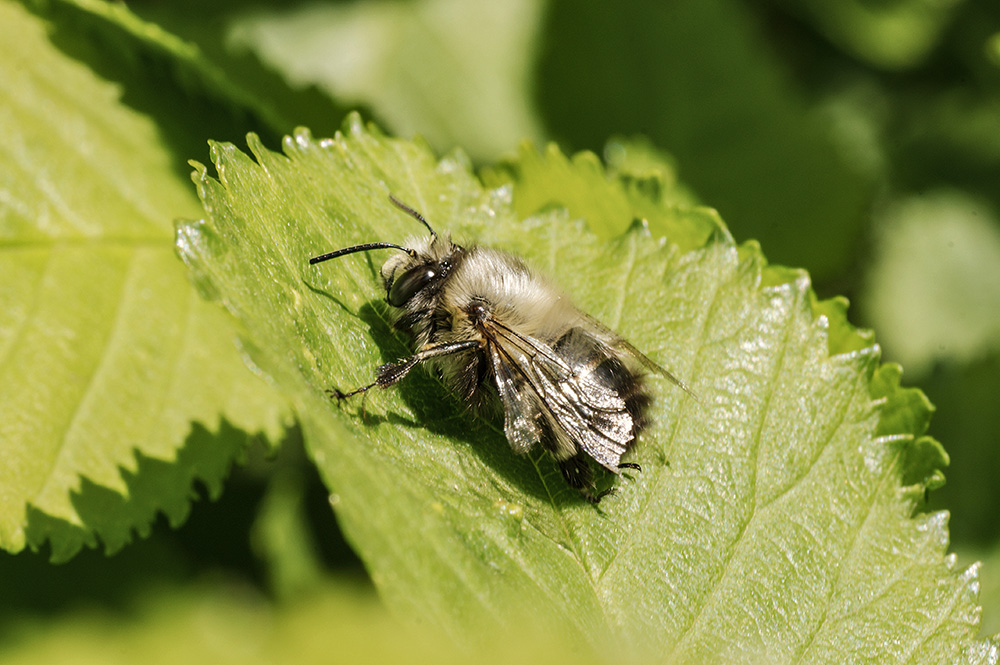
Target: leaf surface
(772, 520)
(107, 354)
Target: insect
(494, 329)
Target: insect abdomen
(584, 352)
(629, 385)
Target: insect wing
(582, 413)
(613, 340)
(520, 406)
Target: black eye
(407, 286)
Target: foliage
(113, 367)
(774, 516)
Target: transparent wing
(615, 341)
(520, 407)
(582, 412)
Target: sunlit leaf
(119, 387)
(773, 518)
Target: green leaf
(220, 623)
(772, 520)
(107, 355)
(934, 284)
(642, 187)
(707, 82)
(890, 35)
(165, 76)
(259, 91)
(989, 595)
(456, 72)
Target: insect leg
(392, 373)
(580, 477)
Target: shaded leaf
(890, 35)
(163, 75)
(705, 82)
(642, 188)
(222, 624)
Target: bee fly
(490, 326)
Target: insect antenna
(360, 248)
(412, 213)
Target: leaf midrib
(82, 404)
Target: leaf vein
(661, 471)
(752, 488)
(855, 540)
(82, 404)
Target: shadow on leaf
(155, 486)
(479, 430)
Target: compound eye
(407, 286)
